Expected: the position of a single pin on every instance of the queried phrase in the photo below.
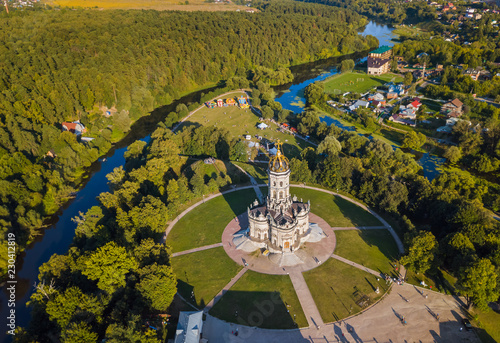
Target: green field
(241, 122)
(160, 5)
(357, 82)
(375, 249)
(257, 170)
(335, 210)
(204, 273)
(205, 224)
(336, 287)
(262, 300)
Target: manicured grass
(256, 170)
(241, 122)
(204, 225)
(265, 301)
(375, 249)
(335, 210)
(205, 273)
(193, 5)
(488, 323)
(337, 286)
(357, 82)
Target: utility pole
(6, 6)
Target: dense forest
(64, 65)
(392, 11)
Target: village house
(396, 118)
(394, 91)
(452, 109)
(379, 60)
(449, 7)
(415, 104)
(74, 127)
(358, 104)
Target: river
(57, 238)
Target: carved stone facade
(282, 222)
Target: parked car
(467, 324)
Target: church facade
(282, 222)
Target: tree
(108, 265)
(78, 333)
(413, 140)
(158, 286)
(420, 252)
(314, 92)
(453, 154)
(346, 65)
(479, 282)
(329, 146)
(300, 170)
(408, 79)
(267, 112)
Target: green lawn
(257, 170)
(375, 249)
(241, 122)
(335, 210)
(266, 301)
(336, 287)
(357, 82)
(205, 224)
(488, 324)
(205, 273)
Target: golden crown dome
(279, 162)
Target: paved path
(335, 228)
(306, 300)
(206, 247)
(359, 266)
(224, 290)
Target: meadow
(357, 82)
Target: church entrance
(287, 245)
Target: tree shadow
(240, 200)
(259, 309)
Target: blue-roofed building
(189, 327)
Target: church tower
(279, 198)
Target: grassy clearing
(241, 122)
(337, 287)
(335, 210)
(173, 5)
(256, 170)
(213, 170)
(357, 82)
(265, 301)
(375, 249)
(204, 273)
(205, 224)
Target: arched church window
(281, 195)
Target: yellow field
(172, 5)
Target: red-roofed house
(75, 127)
(415, 104)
